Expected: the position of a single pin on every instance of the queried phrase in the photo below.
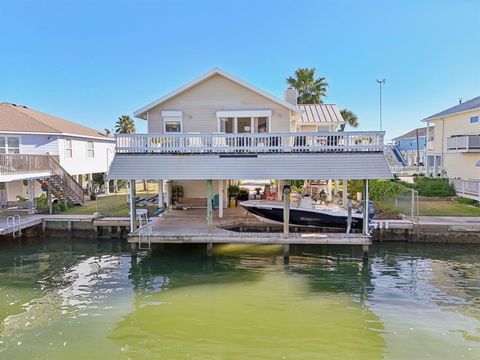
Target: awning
(368, 165)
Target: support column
(279, 184)
(286, 214)
(226, 199)
(220, 198)
(329, 190)
(160, 194)
(168, 193)
(209, 205)
(345, 192)
(90, 180)
(31, 196)
(49, 197)
(335, 195)
(365, 210)
(133, 206)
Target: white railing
(467, 187)
(466, 142)
(250, 143)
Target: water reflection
(72, 299)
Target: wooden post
(365, 210)
(209, 249)
(345, 192)
(31, 196)
(133, 206)
(209, 205)
(365, 252)
(286, 214)
(220, 198)
(160, 194)
(49, 196)
(286, 253)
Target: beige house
(219, 129)
(455, 151)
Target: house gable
(200, 102)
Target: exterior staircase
(63, 184)
(394, 156)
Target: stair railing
(67, 179)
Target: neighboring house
(218, 129)
(455, 150)
(412, 146)
(35, 146)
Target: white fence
(250, 143)
(468, 188)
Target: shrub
(433, 187)
(381, 189)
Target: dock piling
(209, 249)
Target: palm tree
(350, 119)
(125, 125)
(310, 90)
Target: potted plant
(233, 191)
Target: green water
(77, 299)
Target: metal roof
(465, 106)
(371, 165)
(320, 113)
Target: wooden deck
(190, 226)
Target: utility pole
(380, 83)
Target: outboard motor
(371, 209)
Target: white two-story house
(218, 129)
(36, 146)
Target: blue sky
(91, 61)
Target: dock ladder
(15, 222)
(144, 235)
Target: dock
(190, 227)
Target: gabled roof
(412, 134)
(320, 113)
(463, 107)
(216, 71)
(20, 119)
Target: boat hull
(304, 217)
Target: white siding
(79, 163)
(14, 188)
(200, 104)
(267, 166)
(37, 144)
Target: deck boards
(189, 226)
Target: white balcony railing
(250, 143)
(464, 143)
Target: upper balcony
(464, 143)
(250, 143)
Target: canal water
(78, 299)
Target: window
(10, 145)
(68, 149)
(173, 126)
(90, 149)
(474, 119)
(172, 121)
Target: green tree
(350, 119)
(310, 89)
(125, 125)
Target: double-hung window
(172, 122)
(68, 149)
(9, 145)
(474, 119)
(90, 149)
